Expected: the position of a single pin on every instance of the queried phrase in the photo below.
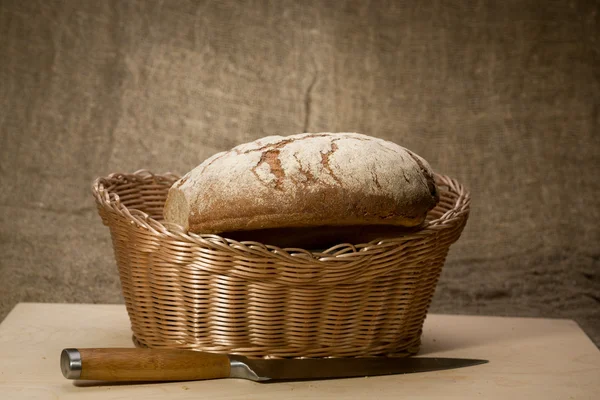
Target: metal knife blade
(125, 364)
(327, 368)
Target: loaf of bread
(305, 186)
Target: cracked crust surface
(304, 180)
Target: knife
(126, 364)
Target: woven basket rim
(111, 202)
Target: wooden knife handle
(121, 364)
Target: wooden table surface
(529, 359)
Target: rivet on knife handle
(121, 364)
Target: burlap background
(504, 96)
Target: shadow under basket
(208, 293)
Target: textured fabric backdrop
(504, 96)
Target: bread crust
(305, 180)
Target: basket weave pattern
(204, 292)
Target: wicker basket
(204, 292)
